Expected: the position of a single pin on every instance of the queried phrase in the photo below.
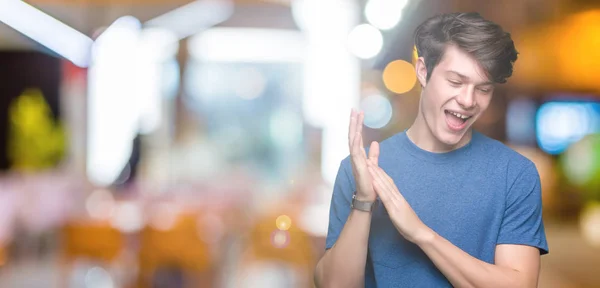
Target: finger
(361, 119)
(377, 184)
(359, 125)
(357, 155)
(393, 194)
(352, 128)
(389, 183)
(387, 177)
(380, 188)
(385, 195)
(374, 153)
(370, 163)
(355, 124)
(362, 147)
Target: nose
(466, 99)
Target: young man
(455, 208)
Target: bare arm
(343, 265)
(515, 265)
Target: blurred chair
(94, 240)
(175, 257)
(90, 240)
(3, 256)
(289, 247)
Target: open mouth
(456, 121)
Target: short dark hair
(492, 47)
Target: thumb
(374, 153)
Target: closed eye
(454, 83)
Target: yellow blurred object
(283, 222)
(35, 141)
(578, 46)
(563, 55)
(399, 76)
(179, 246)
(94, 240)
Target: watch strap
(365, 206)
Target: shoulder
(500, 153)
(518, 168)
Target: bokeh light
(98, 277)
(378, 111)
(251, 83)
(164, 217)
(581, 163)
(590, 224)
(365, 41)
(559, 124)
(384, 14)
(100, 204)
(399, 76)
(283, 222)
(127, 217)
(280, 239)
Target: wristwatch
(362, 205)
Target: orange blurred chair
(276, 239)
(94, 240)
(293, 246)
(3, 255)
(90, 240)
(178, 246)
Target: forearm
(464, 270)
(344, 264)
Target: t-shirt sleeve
(339, 210)
(522, 223)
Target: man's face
(455, 95)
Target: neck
(422, 136)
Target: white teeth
(458, 115)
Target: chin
(450, 138)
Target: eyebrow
(465, 77)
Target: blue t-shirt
(478, 196)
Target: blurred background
(155, 143)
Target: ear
(421, 70)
